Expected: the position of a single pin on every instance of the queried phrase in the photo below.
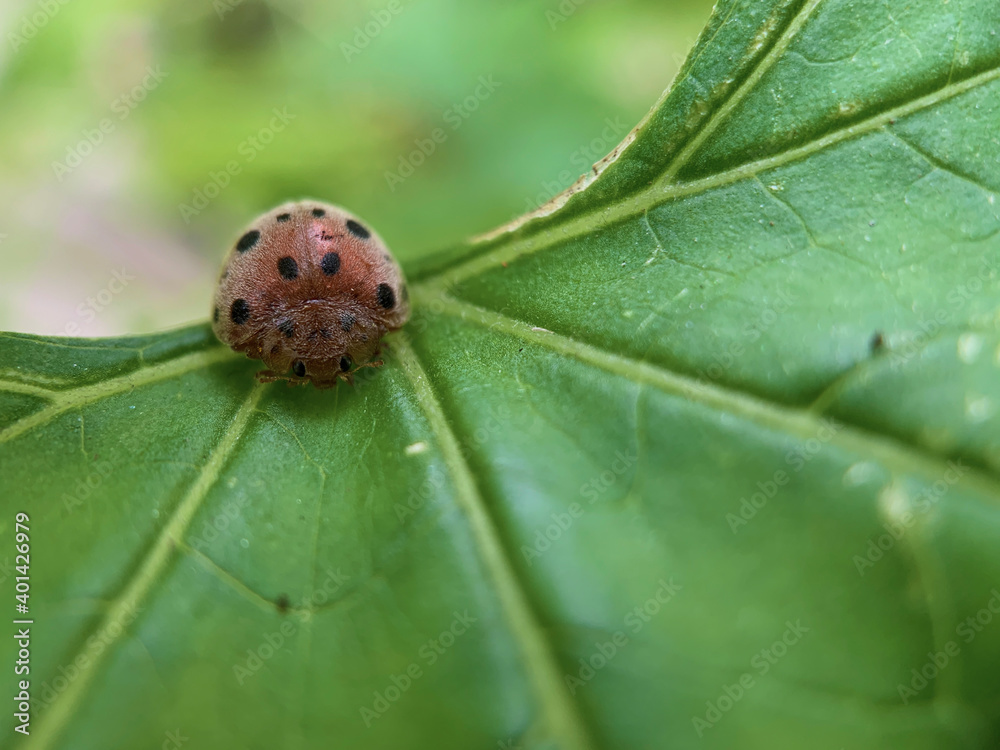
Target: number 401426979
(23, 560)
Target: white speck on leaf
(859, 473)
(415, 448)
(969, 347)
(979, 408)
(893, 502)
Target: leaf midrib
(561, 713)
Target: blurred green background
(139, 137)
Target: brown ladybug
(311, 290)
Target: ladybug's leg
(270, 376)
(349, 375)
(376, 363)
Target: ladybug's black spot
(346, 321)
(248, 240)
(319, 213)
(283, 217)
(330, 263)
(215, 315)
(386, 297)
(299, 368)
(287, 327)
(357, 229)
(288, 268)
(345, 363)
(239, 313)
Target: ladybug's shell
(309, 287)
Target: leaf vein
(77, 397)
(559, 710)
(748, 85)
(895, 454)
(600, 218)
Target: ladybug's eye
(299, 368)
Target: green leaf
(704, 455)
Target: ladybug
(311, 291)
